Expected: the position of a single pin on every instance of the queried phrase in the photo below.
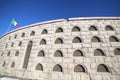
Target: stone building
(73, 49)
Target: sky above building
(27, 12)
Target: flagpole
(8, 27)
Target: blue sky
(27, 12)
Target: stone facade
(73, 49)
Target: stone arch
(113, 39)
(76, 40)
(32, 33)
(99, 52)
(44, 31)
(8, 53)
(43, 42)
(58, 41)
(12, 65)
(17, 53)
(41, 53)
(23, 35)
(79, 68)
(108, 28)
(15, 36)
(20, 43)
(77, 53)
(57, 68)
(4, 63)
(95, 39)
(102, 68)
(12, 44)
(59, 30)
(92, 28)
(117, 51)
(58, 53)
(75, 29)
(27, 54)
(39, 67)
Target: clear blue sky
(27, 12)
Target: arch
(13, 65)
(32, 33)
(113, 39)
(4, 63)
(39, 67)
(76, 40)
(92, 28)
(95, 39)
(58, 41)
(20, 43)
(98, 52)
(108, 28)
(117, 51)
(79, 68)
(12, 44)
(102, 68)
(58, 53)
(57, 68)
(59, 30)
(44, 31)
(8, 53)
(9, 37)
(15, 36)
(75, 29)
(23, 35)
(41, 53)
(27, 54)
(17, 53)
(43, 42)
(77, 53)
(2, 54)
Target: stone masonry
(74, 49)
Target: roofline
(61, 20)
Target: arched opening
(8, 53)
(92, 28)
(32, 33)
(95, 39)
(39, 67)
(4, 63)
(27, 54)
(23, 35)
(76, 40)
(43, 42)
(59, 30)
(12, 44)
(17, 53)
(44, 31)
(109, 28)
(75, 29)
(58, 41)
(79, 68)
(13, 65)
(113, 39)
(57, 68)
(102, 68)
(58, 53)
(99, 52)
(117, 51)
(41, 54)
(77, 53)
(15, 36)
(20, 43)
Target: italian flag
(14, 23)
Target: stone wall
(73, 49)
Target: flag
(14, 23)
